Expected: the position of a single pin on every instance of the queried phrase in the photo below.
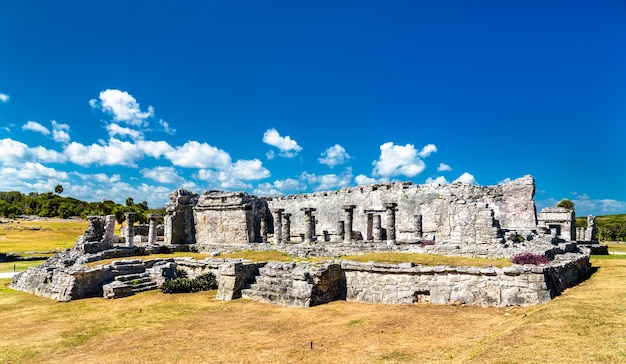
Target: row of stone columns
(130, 228)
(282, 224)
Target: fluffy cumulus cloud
(334, 156)
(427, 150)
(400, 160)
(115, 153)
(123, 107)
(13, 151)
(287, 146)
(280, 187)
(444, 168)
(234, 176)
(36, 127)
(31, 170)
(4, 97)
(60, 132)
(198, 155)
(328, 182)
(167, 175)
(363, 180)
(441, 180)
(466, 178)
(115, 129)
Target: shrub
(530, 258)
(203, 282)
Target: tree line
(48, 204)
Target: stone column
(390, 222)
(152, 228)
(287, 227)
(341, 229)
(348, 217)
(278, 225)
(377, 231)
(418, 227)
(130, 228)
(370, 227)
(309, 220)
(109, 227)
(264, 228)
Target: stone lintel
(308, 209)
(390, 205)
(348, 207)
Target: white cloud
(13, 151)
(166, 127)
(4, 97)
(279, 187)
(444, 168)
(123, 107)
(162, 175)
(328, 182)
(398, 160)
(270, 155)
(600, 207)
(249, 170)
(115, 129)
(441, 180)
(428, 150)
(155, 149)
(30, 170)
(60, 132)
(363, 180)
(114, 153)
(466, 178)
(287, 146)
(36, 127)
(199, 155)
(233, 176)
(333, 156)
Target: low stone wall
(488, 286)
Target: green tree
(58, 189)
(566, 203)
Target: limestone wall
(456, 212)
(488, 286)
(227, 218)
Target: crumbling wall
(179, 220)
(227, 218)
(446, 212)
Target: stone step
(271, 297)
(278, 281)
(129, 269)
(133, 276)
(145, 286)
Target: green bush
(203, 282)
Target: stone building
(560, 221)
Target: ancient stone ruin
(457, 219)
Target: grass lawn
(42, 237)
(586, 324)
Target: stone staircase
(130, 278)
(139, 282)
(285, 284)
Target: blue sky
(134, 99)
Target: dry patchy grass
(585, 324)
(44, 236)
